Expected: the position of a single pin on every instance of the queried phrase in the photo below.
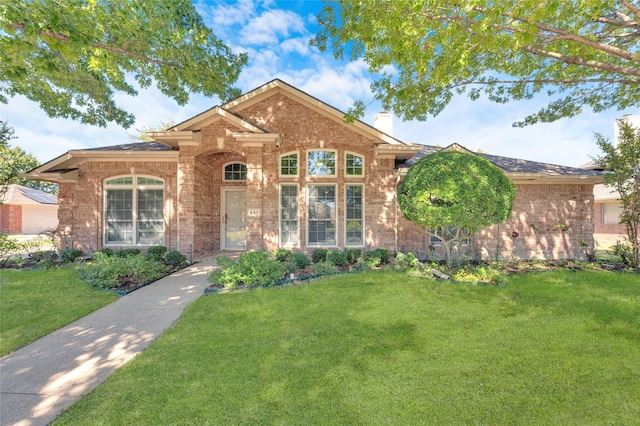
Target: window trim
(280, 242)
(337, 221)
(287, 154)
(335, 168)
(362, 219)
(345, 164)
(224, 166)
(134, 187)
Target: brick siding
(10, 219)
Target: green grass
(34, 303)
(552, 348)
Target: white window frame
(345, 164)
(336, 219)
(335, 167)
(224, 176)
(615, 209)
(287, 154)
(287, 243)
(134, 187)
(362, 218)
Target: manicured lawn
(34, 303)
(377, 348)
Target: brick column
(255, 187)
(186, 203)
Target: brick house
(27, 211)
(277, 167)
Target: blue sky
(275, 34)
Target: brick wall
(547, 221)
(10, 219)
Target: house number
(253, 213)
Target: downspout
(395, 211)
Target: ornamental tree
(71, 57)
(622, 172)
(581, 53)
(453, 194)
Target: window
(134, 210)
(354, 165)
(321, 163)
(611, 213)
(235, 172)
(321, 205)
(289, 165)
(354, 220)
(288, 215)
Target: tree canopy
(622, 165)
(453, 194)
(581, 53)
(72, 57)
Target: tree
(140, 134)
(454, 194)
(14, 161)
(582, 53)
(71, 57)
(622, 165)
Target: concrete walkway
(41, 380)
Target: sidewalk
(41, 380)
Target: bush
(127, 252)
(44, 259)
(319, 255)
(301, 260)
(324, 268)
(110, 271)
(106, 251)
(337, 257)
(383, 254)
(157, 253)
(175, 259)
(371, 258)
(282, 255)
(353, 255)
(70, 255)
(405, 261)
(8, 247)
(252, 268)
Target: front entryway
(233, 228)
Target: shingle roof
(18, 194)
(138, 146)
(512, 165)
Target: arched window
(134, 210)
(235, 172)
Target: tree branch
(632, 8)
(62, 37)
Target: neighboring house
(27, 211)
(277, 167)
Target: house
(277, 167)
(27, 211)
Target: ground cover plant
(34, 303)
(559, 347)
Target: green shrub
(252, 268)
(8, 247)
(44, 259)
(324, 268)
(371, 258)
(109, 271)
(301, 260)
(282, 255)
(383, 254)
(337, 257)
(319, 255)
(157, 253)
(353, 255)
(70, 255)
(127, 252)
(175, 259)
(106, 251)
(405, 261)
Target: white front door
(233, 232)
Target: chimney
(633, 120)
(384, 122)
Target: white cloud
(271, 26)
(298, 45)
